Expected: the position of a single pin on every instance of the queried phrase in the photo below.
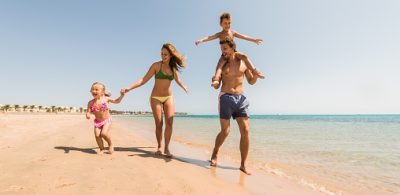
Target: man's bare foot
(244, 170)
(213, 161)
(168, 154)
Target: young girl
(98, 106)
(227, 33)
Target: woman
(161, 98)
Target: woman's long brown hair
(177, 61)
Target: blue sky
(320, 57)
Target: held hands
(124, 91)
(258, 41)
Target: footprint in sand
(14, 188)
(65, 185)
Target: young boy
(227, 33)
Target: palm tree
(6, 107)
(53, 108)
(25, 107)
(80, 109)
(40, 107)
(16, 107)
(32, 107)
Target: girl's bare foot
(111, 149)
(100, 151)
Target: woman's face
(165, 55)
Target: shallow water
(351, 154)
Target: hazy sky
(320, 57)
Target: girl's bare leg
(99, 140)
(105, 133)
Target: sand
(55, 154)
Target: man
(232, 102)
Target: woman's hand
(186, 90)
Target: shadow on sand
(143, 152)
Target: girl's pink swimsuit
(102, 107)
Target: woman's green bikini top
(161, 75)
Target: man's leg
(225, 129)
(244, 127)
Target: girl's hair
(224, 16)
(177, 61)
(230, 42)
(106, 93)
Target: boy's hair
(230, 42)
(224, 16)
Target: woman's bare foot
(168, 154)
(158, 152)
(244, 170)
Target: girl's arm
(88, 111)
(118, 100)
(208, 38)
(247, 38)
(143, 80)
(178, 81)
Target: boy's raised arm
(208, 38)
(247, 38)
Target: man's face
(226, 50)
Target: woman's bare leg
(169, 112)
(156, 107)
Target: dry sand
(55, 154)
